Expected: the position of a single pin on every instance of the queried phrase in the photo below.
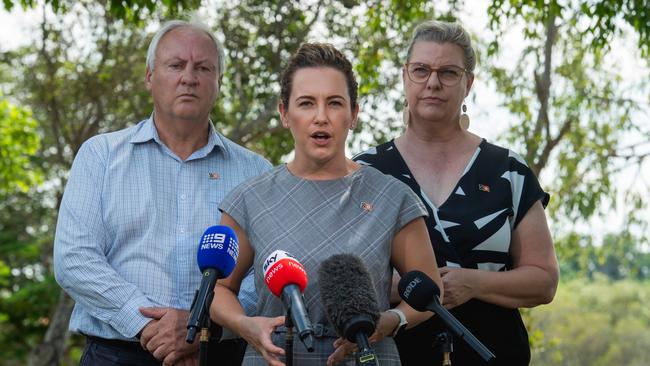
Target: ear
(355, 115)
(283, 115)
(147, 78)
(470, 82)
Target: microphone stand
(203, 347)
(456, 328)
(204, 324)
(288, 340)
(444, 342)
(204, 340)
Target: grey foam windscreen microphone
(350, 302)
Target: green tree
(568, 102)
(81, 86)
(19, 142)
(76, 89)
(135, 11)
(602, 19)
(594, 322)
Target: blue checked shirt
(130, 222)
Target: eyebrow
(336, 96)
(177, 58)
(437, 67)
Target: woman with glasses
(486, 208)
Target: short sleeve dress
(471, 229)
(358, 214)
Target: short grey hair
(173, 24)
(445, 32)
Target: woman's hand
(344, 348)
(257, 332)
(459, 286)
(386, 325)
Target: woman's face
(319, 114)
(431, 100)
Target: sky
(489, 120)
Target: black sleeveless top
(471, 229)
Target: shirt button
(183, 196)
(182, 230)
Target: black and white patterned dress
(471, 229)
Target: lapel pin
(366, 206)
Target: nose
(189, 75)
(432, 81)
(321, 114)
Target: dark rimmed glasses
(448, 75)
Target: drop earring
(406, 116)
(464, 119)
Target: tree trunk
(49, 352)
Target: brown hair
(318, 55)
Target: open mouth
(321, 137)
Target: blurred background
(563, 83)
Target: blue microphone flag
(218, 249)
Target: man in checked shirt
(135, 206)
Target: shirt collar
(147, 132)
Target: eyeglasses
(448, 75)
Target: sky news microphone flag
(286, 278)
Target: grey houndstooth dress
(313, 220)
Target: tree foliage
(133, 11)
(19, 142)
(83, 75)
(593, 322)
(602, 21)
(568, 101)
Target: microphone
(349, 299)
(287, 279)
(217, 255)
(422, 294)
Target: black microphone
(216, 257)
(422, 294)
(349, 299)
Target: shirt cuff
(129, 321)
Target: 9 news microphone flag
(217, 256)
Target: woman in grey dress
(319, 204)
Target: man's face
(185, 81)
